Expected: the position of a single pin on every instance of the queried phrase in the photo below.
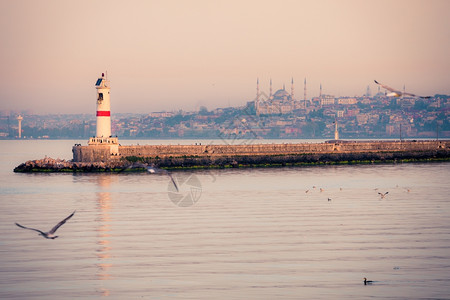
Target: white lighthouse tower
(103, 108)
(103, 133)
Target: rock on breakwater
(60, 165)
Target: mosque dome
(281, 94)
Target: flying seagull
(383, 195)
(153, 170)
(49, 234)
(397, 93)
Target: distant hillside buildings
(276, 114)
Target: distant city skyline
(171, 55)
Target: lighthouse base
(103, 141)
(111, 143)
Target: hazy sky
(170, 55)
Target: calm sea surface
(227, 234)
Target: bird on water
(49, 234)
(366, 282)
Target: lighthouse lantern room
(103, 133)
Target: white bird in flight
(50, 234)
(397, 93)
(153, 170)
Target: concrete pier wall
(103, 153)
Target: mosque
(280, 102)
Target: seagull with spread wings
(383, 195)
(49, 234)
(397, 93)
(152, 170)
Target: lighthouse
(103, 108)
(103, 113)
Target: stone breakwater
(103, 152)
(101, 159)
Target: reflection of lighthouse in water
(104, 232)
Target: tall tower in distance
(368, 91)
(336, 131)
(19, 119)
(103, 133)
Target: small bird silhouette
(366, 282)
(329, 199)
(307, 191)
(383, 195)
(49, 234)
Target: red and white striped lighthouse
(103, 108)
(103, 135)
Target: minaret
(257, 97)
(19, 119)
(304, 93)
(270, 89)
(292, 89)
(320, 96)
(257, 89)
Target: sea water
(273, 233)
